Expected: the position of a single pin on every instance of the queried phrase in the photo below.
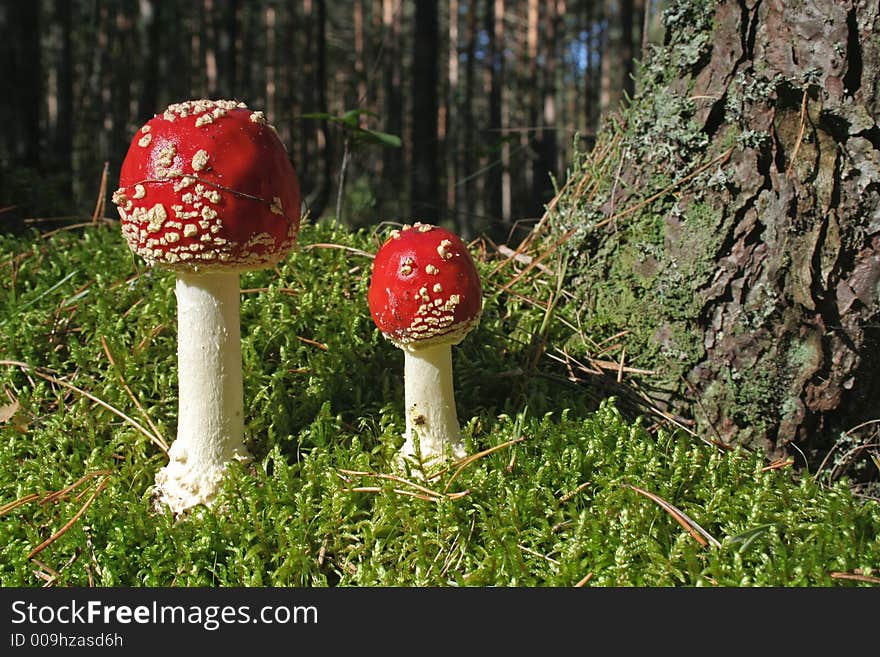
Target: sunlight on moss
(551, 503)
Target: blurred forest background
(487, 97)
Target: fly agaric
(207, 190)
(425, 296)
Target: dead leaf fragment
(8, 411)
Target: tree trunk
(425, 190)
(209, 13)
(750, 282)
(359, 56)
(534, 99)
(62, 142)
(270, 23)
(451, 146)
(325, 137)
(545, 164)
(227, 47)
(308, 171)
(288, 60)
(196, 59)
(627, 49)
(149, 29)
(251, 42)
(22, 82)
(392, 158)
(494, 73)
(95, 109)
(503, 118)
(617, 55)
(467, 224)
(119, 78)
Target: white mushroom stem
(210, 424)
(430, 404)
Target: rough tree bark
(806, 218)
(752, 287)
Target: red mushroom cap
(425, 288)
(207, 185)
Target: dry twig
(857, 576)
(700, 534)
(463, 463)
(586, 579)
(76, 516)
(70, 523)
(101, 202)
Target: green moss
(553, 503)
(755, 398)
(646, 278)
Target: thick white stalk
(430, 404)
(210, 423)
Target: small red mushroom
(425, 295)
(207, 190)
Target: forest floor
(564, 485)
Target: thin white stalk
(210, 424)
(430, 404)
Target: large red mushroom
(207, 190)
(424, 296)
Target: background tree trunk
(503, 119)
(533, 16)
(452, 143)
(392, 158)
(22, 81)
(118, 83)
(359, 56)
(425, 194)
(492, 26)
(469, 157)
(62, 138)
(150, 25)
(227, 47)
(545, 164)
(751, 282)
(325, 136)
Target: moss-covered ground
(564, 488)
